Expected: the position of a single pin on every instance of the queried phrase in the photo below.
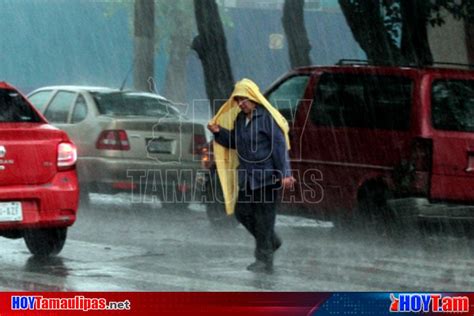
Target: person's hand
(214, 128)
(288, 182)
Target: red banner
(144, 303)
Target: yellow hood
(226, 159)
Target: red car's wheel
(45, 241)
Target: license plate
(160, 146)
(10, 212)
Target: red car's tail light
(199, 142)
(67, 155)
(113, 140)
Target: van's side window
(453, 105)
(287, 96)
(362, 101)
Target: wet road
(119, 246)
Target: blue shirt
(261, 148)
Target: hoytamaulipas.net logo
(428, 302)
(78, 302)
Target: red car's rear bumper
(53, 204)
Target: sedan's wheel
(45, 241)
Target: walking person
(253, 164)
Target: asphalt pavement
(117, 245)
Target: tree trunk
(211, 48)
(469, 27)
(415, 47)
(295, 30)
(366, 23)
(176, 72)
(144, 43)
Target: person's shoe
(260, 266)
(277, 242)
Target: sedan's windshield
(131, 103)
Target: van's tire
(45, 241)
(215, 208)
(373, 213)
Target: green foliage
(436, 11)
(460, 9)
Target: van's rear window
(14, 108)
(363, 101)
(453, 105)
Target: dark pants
(255, 209)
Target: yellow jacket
(226, 159)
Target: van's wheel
(373, 213)
(215, 207)
(45, 241)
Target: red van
(381, 143)
(38, 182)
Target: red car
(39, 188)
(379, 143)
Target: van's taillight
(113, 140)
(422, 154)
(199, 142)
(67, 155)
